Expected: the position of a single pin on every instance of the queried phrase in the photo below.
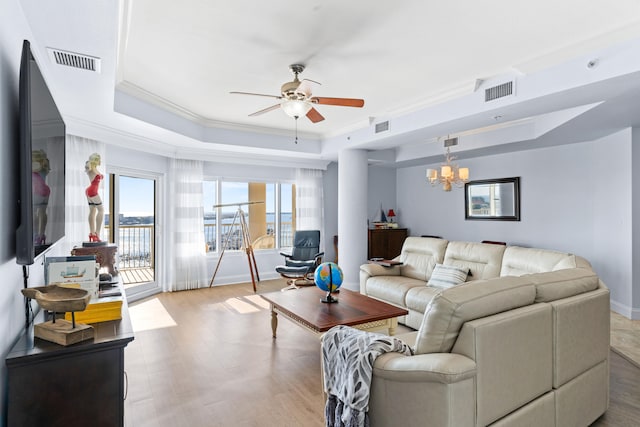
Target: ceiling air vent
(450, 142)
(382, 126)
(75, 60)
(500, 91)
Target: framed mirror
(492, 199)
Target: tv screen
(41, 164)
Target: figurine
(96, 210)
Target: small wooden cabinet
(386, 242)
(79, 385)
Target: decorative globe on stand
(328, 277)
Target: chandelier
(450, 173)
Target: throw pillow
(447, 276)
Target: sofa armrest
(370, 270)
(437, 389)
(445, 368)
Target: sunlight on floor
(259, 301)
(241, 306)
(150, 315)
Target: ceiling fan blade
(344, 102)
(305, 86)
(265, 110)
(256, 94)
(314, 115)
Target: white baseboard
(243, 278)
(625, 310)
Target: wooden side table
(105, 255)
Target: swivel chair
(303, 260)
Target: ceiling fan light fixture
(295, 108)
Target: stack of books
(100, 310)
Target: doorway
(132, 227)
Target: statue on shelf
(96, 210)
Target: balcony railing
(136, 246)
(234, 234)
(136, 243)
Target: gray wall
(382, 192)
(11, 306)
(575, 198)
(635, 230)
(12, 316)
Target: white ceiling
(167, 69)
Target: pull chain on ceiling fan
(296, 100)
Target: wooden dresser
(386, 242)
(78, 385)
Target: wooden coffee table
(303, 307)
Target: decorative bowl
(59, 298)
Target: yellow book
(101, 310)
(95, 317)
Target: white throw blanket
(347, 361)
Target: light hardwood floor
(207, 358)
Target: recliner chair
(303, 260)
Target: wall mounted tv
(41, 165)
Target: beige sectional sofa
(524, 341)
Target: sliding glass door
(132, 226)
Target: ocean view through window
(270, 215)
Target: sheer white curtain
(186, 249)
(78, 150)
(309, 203)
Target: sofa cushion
(391, 289)
(518, 261)
(420, 255)
(418, 298)
(554, 285)
(482, 259)
(451, 308)
(446, 276)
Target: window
(268, 209)
(209, 197)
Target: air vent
(500, 91)
(75, 60)
(382, 126)
(450, 142)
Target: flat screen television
(41, 164)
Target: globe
(328, 276)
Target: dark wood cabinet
(386, 242)
(78, 385)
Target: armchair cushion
(304, 257)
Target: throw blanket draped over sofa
(506, 336)
(347, 363)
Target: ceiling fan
(296, 100)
